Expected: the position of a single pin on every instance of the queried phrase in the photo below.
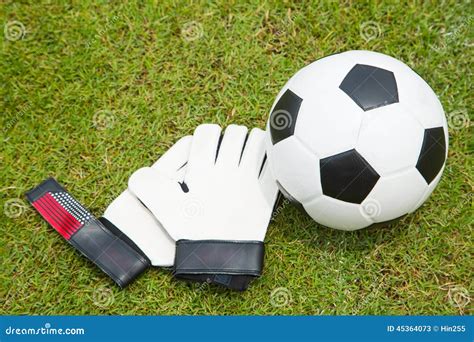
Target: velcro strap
(219, 257)
(98, 240)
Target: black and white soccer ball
(357, 138)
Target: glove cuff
(219, 257)
(98, 239)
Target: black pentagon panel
(290, 198)
(370, 87)
(283, 116)
(347, 176)
(433, 153)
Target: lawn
(91, 91)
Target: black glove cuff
(98, 239)
(219, 257)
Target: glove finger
(268, 185)
(254, 152)
(175, 157)
(145, 184)
(231, 146)
(136, 222)
(203, 150)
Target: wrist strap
(98, 239)
(219, 257)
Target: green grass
(132, 63)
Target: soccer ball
(357, 138)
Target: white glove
(219, 216)
(137, 223)
(127, 239)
